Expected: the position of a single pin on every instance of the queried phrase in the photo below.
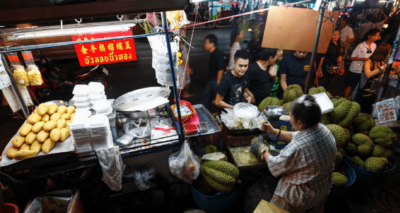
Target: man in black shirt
(216, 69)
(258, 75)
(232, 88)
(293, 70)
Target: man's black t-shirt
(259, 82)
(296, 69)
(216, 63)
(232, 88)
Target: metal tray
(205, 116)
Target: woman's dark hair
(234, 34)
(381, 52)
(337, 29)
(306, 110)
(371, 32)
(212, 39)
(243, 54)
(267, 53)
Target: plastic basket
(351, 177)
(8, 208)
(218, 203)
(365, 177)
(187, 116)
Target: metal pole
(15, 89)
(316, 41)
(171, 63)
(388, 67)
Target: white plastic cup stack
(81, 99)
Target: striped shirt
(306, 166)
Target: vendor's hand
(339, 59)
(343, 44)
(248, 99)
(267, 127)
(258, 149)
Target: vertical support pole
(15, 89)
(171, 63)
(316, 41)
(388, 67)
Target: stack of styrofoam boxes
(80, 132)
(91, 133)
(100, 132)
(81, 99)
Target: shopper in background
(293, 69)
(305, 164)
(233, 86)
(236, 36)
(364, 28)
(258, 75)
(361, 54)
(379, 25)
(332, 58)
(274, 69)
(216, 69)
(346, 35)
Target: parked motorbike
(54, 83)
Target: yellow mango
(48, 145)
(30, 138)
(66, 116)
(53, 109)
(70, 110)
(61, 123)
(64, 134)
(49, 126)
(17, 141)
(42, 136)
(25, 147)
(36, 146)
(45, 117)
(38, 127)
(43, 109)
(55, 117)
(72, 116)
(55, 135)
(34, 118)
(23, 154)
(11, 151)
(25, 129)
(61, 110)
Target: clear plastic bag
(153, 19)
(245, 110)
(184, 164)
(34, 75)
(177, 18)
(141, 177)
(21, 77)
(125, 139)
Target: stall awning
(19, 11)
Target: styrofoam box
(81, 90)
(96, 88)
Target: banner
(105, 52)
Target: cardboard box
(63, 201)
(265, 207)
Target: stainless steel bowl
(58, 102)
(130, 104)
(274, 112)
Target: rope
(186, 62)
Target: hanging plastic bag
(20, 75)
(153, 19)
(184, 164)
(34, 75)
(141, 178)
(177, 18)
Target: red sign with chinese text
(105, 52)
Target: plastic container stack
(81, 134)
(81, 99)
(100, 132)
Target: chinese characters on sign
(105, 52)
